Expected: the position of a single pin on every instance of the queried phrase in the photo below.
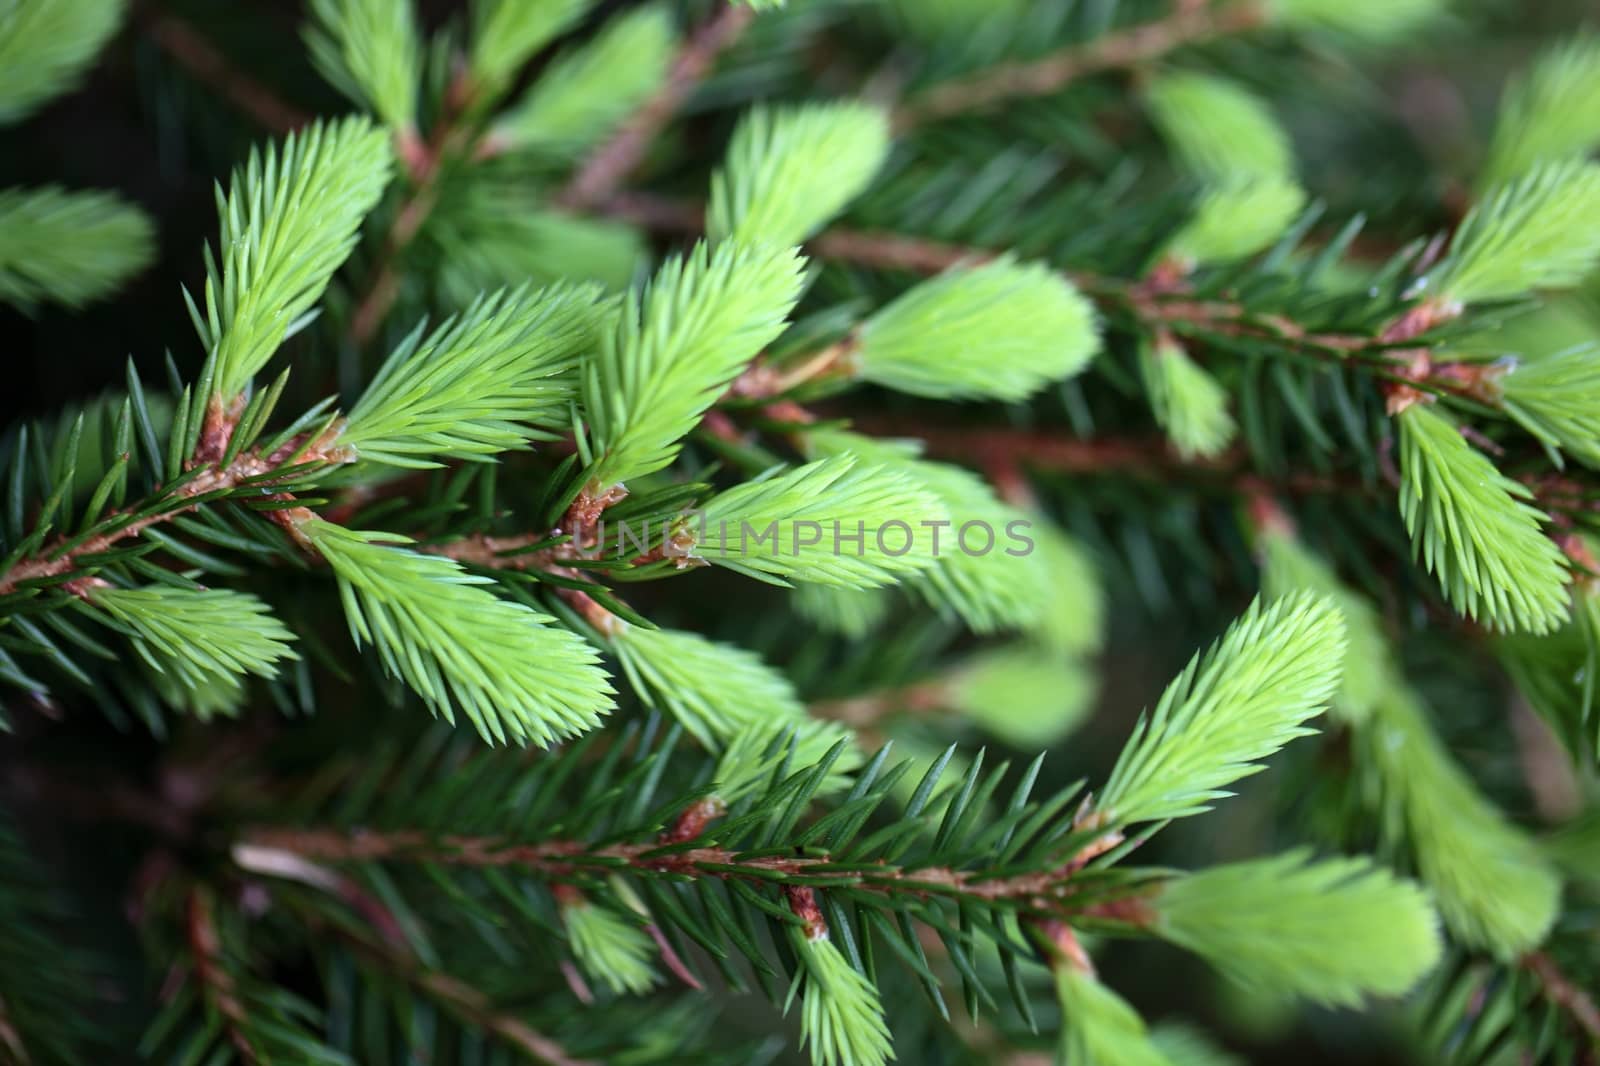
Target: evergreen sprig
(790, 170)
(1556, 397)
(1333, 930)
(713, 690)
(1099, 1027)
(1027, 696)
(1249, 695)
(1187, 401)
(1237, 218)
(46, 46)
(1005, 587)
(1537, 231)
(1218, 129)
(498, 376)
(1474, 529)
(506, 34)
(675, 347)
(1493, 889)
(609, 946)
(68, 247)
(201, 637)
(841, 1015)
(1548, 115)
(372, 51)
(837, 521)
(516, 676)
(590, 87)
(1003, 330)
(289, 220)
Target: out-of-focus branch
(1187, 24)
(209, 66)
(1564, 993)
(605, 171)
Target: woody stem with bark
(1046, 893)
(66, 555)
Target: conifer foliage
(751, 431)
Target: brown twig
(605, 171)
(1047, 892)
(864, 712)
(510, 553)
(1152, 458)
(426, 162)
(392, 950)
(1560, 990)
(64, 555)
(208, 65)
(206, 947)
(479, 1010)
(1188, 24)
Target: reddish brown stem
(1189, 24)
(604, 172)
(1560, 990)
(55, 561)
(215, 980)
(1045, 892)
(426, 162)
(1161, 304)
(864, 712)
(1149, 458)
(209, 66)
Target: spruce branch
(290, 218)
(1038, 893)
(1218, 129)
(249, 475)
(507, 33)
(843, 501)
(1250, 694)
(1335, 930)
(199, 637)
(790, 170)
(371, 50)
(1549, 114)
(1535, 232)
(1474, 529)
(610, 166)
(676, 347)
(984, 91)
(498, 376)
